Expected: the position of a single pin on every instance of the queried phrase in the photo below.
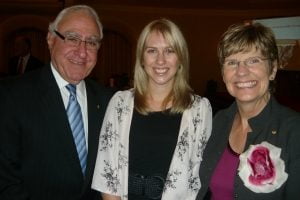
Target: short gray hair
(87, 9)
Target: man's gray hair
(87, 9)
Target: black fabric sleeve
(11, 186)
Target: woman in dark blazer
(254, 150)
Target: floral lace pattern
(121, 109)
(111, 170)
(110, 174)
(182, 144)
(171, 179)
(109, 135)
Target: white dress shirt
(80, 94)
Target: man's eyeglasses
(74, 41)
(249, 62)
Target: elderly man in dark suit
(24, 61)
(50, 118)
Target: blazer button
(235, 196)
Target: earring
(272, 77)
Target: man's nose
(82, 49)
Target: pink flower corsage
(261, 168)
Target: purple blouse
(222, 181)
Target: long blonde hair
(181, 92)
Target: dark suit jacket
(32, 64)
(273, 118)
(38, 157)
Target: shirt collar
(264, 117)
(80, 88)
(257, 122)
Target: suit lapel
(53, 104)
(54, 107)
(94, 117)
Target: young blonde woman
(153, 135)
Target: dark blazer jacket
(38, 157)
(32, 64)
(276, 124)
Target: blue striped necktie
(76, 124)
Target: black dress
(152, 142)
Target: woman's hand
(110, 197)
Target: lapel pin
(98, 106)
(274, 132)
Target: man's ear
(50, 40)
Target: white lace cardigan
(182, 182)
